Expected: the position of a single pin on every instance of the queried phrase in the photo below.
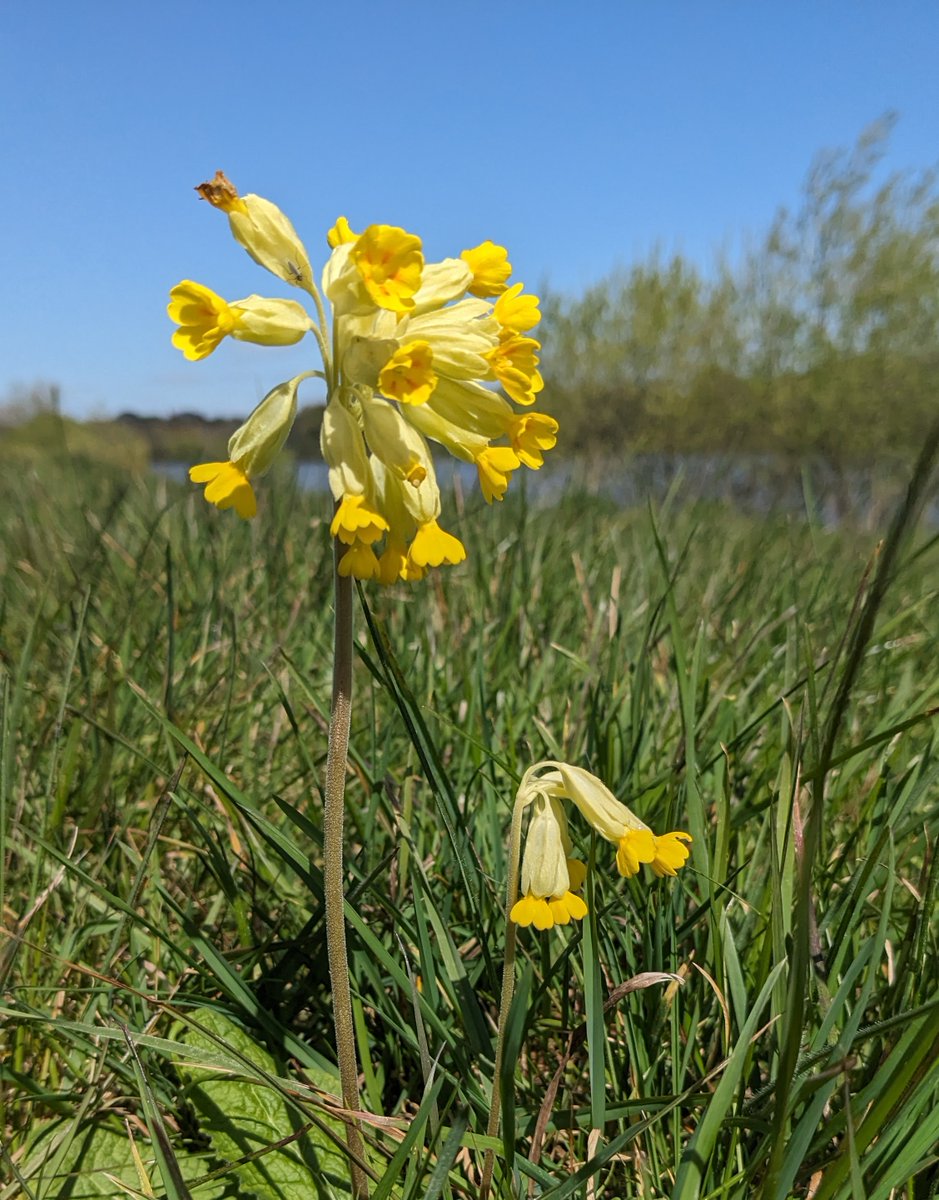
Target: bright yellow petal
(515, 311)
(359, 561)
(408, 376)
(670, 853)
(389, 262)
(203, 317)
(636, 846)
(227, 486)
(433, 546)
(495, 465)
(356, 520)
(514, 362)
(532, 434)
(340, 234)
(491, 268)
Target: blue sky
(579, 135)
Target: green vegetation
(822, 341)
(164, 692)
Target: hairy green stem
(508, 989)
(333, 871)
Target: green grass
(164, 690)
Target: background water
(761, 484)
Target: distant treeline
(823, 339)
(820, 340)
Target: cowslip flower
(550, 878)
(252, 449)
(412, 353)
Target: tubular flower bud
(252, 449)
(263, 230)
(490, 266)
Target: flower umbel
(412, 351)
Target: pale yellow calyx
(408, 376)
(515, 311)
(596, 802)
(340, 234)
(389, 262)
(228, 487)
(357, 520)
(203, 317)
(399, 446)
(490, 266)
(495, 465)
(270, 322)
(460, 335)
(221, 193)
(441, 282)
(256, 443)
(343, 448)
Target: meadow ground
(766, 684)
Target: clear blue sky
(579, 134)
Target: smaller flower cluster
(550, 877)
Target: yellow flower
(495, 465)
(205, 319)
(634, 840)
(550, 877)
(359, 561)
(670, 853)
(408, 376)
(531, 434)
(389, 262)
(516, 312)
(263, 230)
(490, 266)
(355, 520)
(228, 487)
(252, 449)
(514, 363)
(433, 546)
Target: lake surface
(759, 484)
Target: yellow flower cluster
(412, 352)
(550, 877)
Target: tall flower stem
(334, 872)
(508, 990)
